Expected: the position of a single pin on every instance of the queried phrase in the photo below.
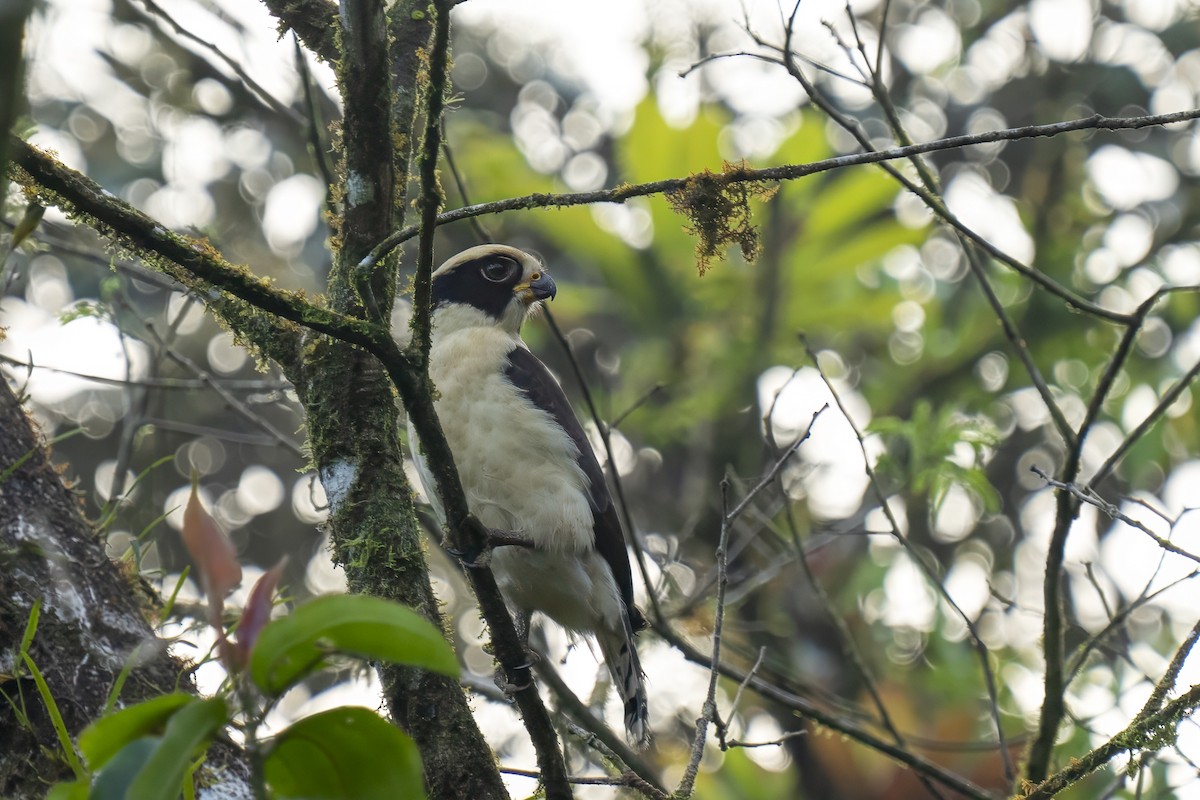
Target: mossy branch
(1152, 732)
(193, 262)
(625, 192)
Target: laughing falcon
(525, 463)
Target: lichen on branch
(717, 204)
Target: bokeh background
(196, 112)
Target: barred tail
(621, 658)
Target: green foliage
(154, 767)
(148, 750)
(115, 781)
(707, 340)
(56, 719)
(344, 753)
(84, 309)
(921, 452)
(101, 740)
(368, 627)
(75, 790)
(11, 469)
(740, 777)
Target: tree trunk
(94, 620)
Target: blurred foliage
(921, 450)
(883, 294)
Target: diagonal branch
(156, 12)
(1152, 731)
(192, 262)
(624, 192)
(806, 708)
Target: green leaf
(345, 753)
(113, 782)
(142, 767)
(35, 614)
(11, 469)
(188, 730)
(75, 790)
(56, 719)
(101, 740)
(368, 627)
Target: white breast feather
(520, 473)
(517, 466)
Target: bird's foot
(472, 556)
(521, 672)
(512, 687)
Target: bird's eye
(499, 270)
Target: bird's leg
(521, 620)
(499, 538)
(478, 552)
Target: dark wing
(533, 380)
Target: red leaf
(257, 612)
(211, 551)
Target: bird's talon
(471, 557)
(509, 688)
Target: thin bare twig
(257, 89)
(1152, 419)
(615, 748)
(773, 743)
(977, 643)
(777, 467)
(1088, 496)
(834, 722)
(626, 780)
(176, 384)
(313, 127)
(737, 698)
(235, 403)
(850, 647)
(481, 233)
(709, 711)
(641, 401)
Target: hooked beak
(540, 286)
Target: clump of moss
(717, 204)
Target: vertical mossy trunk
(349, 401)
(352, 421)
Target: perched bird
(526, 465)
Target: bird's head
(493, 283)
